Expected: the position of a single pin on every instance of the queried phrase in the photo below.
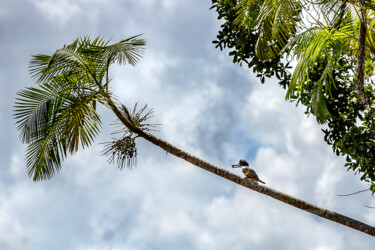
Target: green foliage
(323, 38)
(242, 42)
(351, 130)
(60, 114)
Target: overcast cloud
(207, 106)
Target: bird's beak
(234, 166)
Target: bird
(248, 172)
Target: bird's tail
(262, 181)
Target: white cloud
(59, 11)
(208, 106)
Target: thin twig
(354, 192)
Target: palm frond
(123, 151)
(127, 51)
(332, 10)
(318, 104)
(265, 47)
(55, 120)
(309, 46)
(370, 42)
(247, 12)
(278, 22)
(33, 108)
(318, 99)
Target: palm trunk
(362, 51)
(308, 207)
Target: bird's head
(241, 163)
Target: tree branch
(293, 201)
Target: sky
(207, 106)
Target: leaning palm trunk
(308, 207)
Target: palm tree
(60, 115)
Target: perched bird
(248, 172)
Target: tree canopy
(332, 46)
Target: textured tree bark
(362, 51)
(308, 207)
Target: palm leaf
(127, 51)
(247, 12)
(318, 104)
(53, 122)
(277, 21)
(310, 45)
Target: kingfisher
(248, 172)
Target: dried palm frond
(123, 151)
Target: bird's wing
(252, 172)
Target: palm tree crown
(60, 114)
